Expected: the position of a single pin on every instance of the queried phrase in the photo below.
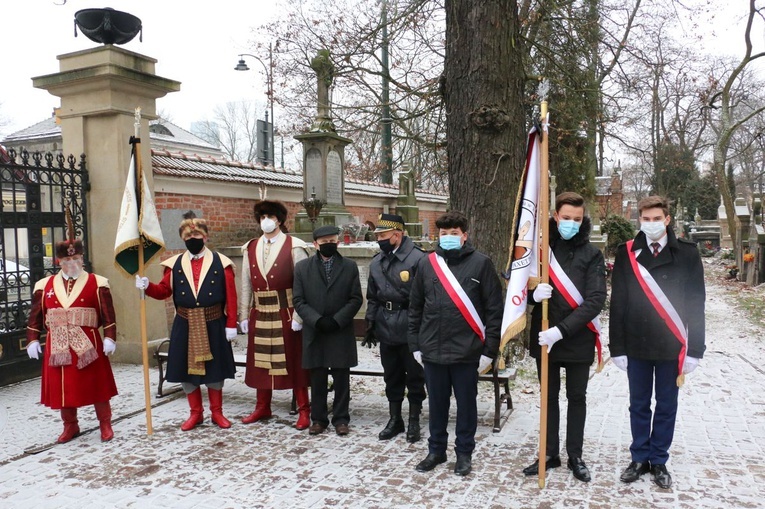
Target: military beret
(325, 231)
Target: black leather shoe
(661, 477)
(579, 469)
(430, 462)
(464, 464)
(550, 462)
(633, 472)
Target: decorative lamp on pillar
(313, 206)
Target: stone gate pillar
(99, 90)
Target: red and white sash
(574, 299)
(458, 295)
(662, 305)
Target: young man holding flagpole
(576, 297)
(455, 314)
(656, 332)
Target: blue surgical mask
(448, 242)
(568, 228)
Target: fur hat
(270, 208)
(72, 246)
(192, 224)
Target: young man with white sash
(576, 296)
(656, 331)
(455, 316)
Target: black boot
(395, 424)
(413, 431)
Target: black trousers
(577, 377)
(341, 381)
(442, 379)
(400, 372)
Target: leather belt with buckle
(395, 306)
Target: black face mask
(385, 246)
(328, 250)
(195, 246)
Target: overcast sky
(196, 43)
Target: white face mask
(267, 225)
(654, 230)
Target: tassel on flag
(524, 246)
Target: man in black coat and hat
(327, 296)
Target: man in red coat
(203, 286)
(267, 315)
(72, 306)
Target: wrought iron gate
(35, 189)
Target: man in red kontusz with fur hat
(267, 315)
(203, 286)
(72, 305)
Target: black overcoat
(340, 298)
(585, 266)
(635, 327)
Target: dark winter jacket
(635, 327)
(585, 266)
(436, 326)
(339, 299)
(390, 282)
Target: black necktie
(655, 247)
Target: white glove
(34, 350)
(550, 337)
(109, 346)
(418, 357)
(691, 363)
(484, 363)
(620, 361)
(296, 326)
(142, 283)
(230, 333)
(543, 291)
(244, 326)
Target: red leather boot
(71, 426)
(262, 407)
(216, 408)
(196, 416)
(104, 414)
(304, 408)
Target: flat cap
(324, 231)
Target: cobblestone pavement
(716, 458)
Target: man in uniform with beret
(72, 306)
(267, 314)
(391, 273)
(327, 296)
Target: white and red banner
(525, 243)
(458, 295)
(574, 298)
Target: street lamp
(242, 66)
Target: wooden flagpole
(144, 334)
(544, 247)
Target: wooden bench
(497, 377)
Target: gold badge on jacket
(404, 275)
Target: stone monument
(406, 203)
(323, 156)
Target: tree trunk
(485, 123)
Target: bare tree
(234, 129)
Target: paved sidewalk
(716, 459)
